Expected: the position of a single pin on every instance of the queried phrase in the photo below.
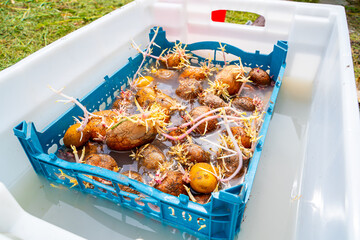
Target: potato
(204, 127)
(202, 198)
(151, 156)
(240, 132)
(146, 96)
(202, 177)
(76, 138)
(133, 175)
(176, 133)
(230, 165)
(172, 60)
(243, 103)
(93, 147)
(96, 124)
(189, 89)
(196, 154)
(230, 75)
(143, 81)
(164, 74)
(164, 100)
(103, 161)
(211, 100)
(128, 135)
(259, 77)
(172, 184)
(120, 103)
(124, 101)
(192, 72)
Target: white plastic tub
(306, 183)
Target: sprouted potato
(129, 134)
(76, 138)
(189, 153)
(203, 177)
(163, 74)
(150, 156)
(198, 73)
(204, 127)
(147, 96)
(230, 77)
(168, 156)
(211, 100)
(189, 89)
(133, 175)
(172, 183)
(243, 103)
(98, 124)
(259, 77)
(103, 161)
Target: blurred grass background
(240, 17)
(27, 26)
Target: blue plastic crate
(219, 219)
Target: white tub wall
(332, 156)
(314, 33)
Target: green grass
(27, 26)
(240, 17)
(353, 18)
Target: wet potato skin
(133, 175)
(172, 60)
(121, 103)
(164, 100)
(202, 198)
(240, 132)
(76, 138)
(103, 161)
(229, 75)
(203, 181)
(196, 154)
(243, 103)
(143, 81)
(151, 156)
(203, 128)
(259, 77)
(193, 73)
(93, 147)
(95, 125)
(189, 89)
(128, 135)
(164, 74)
(172, 184)
(211, 100)
(146, 96)
(177, 133)
(231, 164)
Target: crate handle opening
(238, 17)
